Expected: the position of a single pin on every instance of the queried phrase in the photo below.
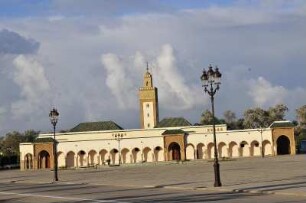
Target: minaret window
(148, 105)
(147, 83)
(148, 125)
(148, 114)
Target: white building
(91, 144)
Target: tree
(257, 117)
(230, 119)
(254, 118)
(207, 118)
(301, 116)
(30, 135)
(277, 113)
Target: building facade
(95, 143)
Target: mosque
(102, 143)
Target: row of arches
(81, 158)
(232, 149)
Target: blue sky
(87, 58)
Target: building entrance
(174, 151)
(283, 145)
(44, 159)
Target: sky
(88, 58)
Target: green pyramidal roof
(173, 122)
(96, 126)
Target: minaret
(148, 102)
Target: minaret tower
(148, 102)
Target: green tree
(230, 119)
(301, 116)
(207, 118)
(258, 117)
(277, 113)
(30, 135)
(254, 118)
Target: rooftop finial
(147, 66)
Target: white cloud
(120, 85)
(174, 91)
(178, 44)
(265, 94)
(29, 75)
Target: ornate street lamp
(119, 137)
(211, 83)
(53, 115)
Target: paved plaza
(274, 179)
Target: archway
(233, 149)
(222, 150)
(92, 154)
(114, 156)
(174, 151)
(267, 149)
(28, 161)
(190, 152)
(147, 154)
(136, 155)
(158, 154)
(200, 151)
(70, 163)
(125, 155)
(82, 158)
(244, 149)
(61, 160)
(44, 159)
(210, 151)
(103, 156)
(255, 148)
(283, 145)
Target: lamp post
(211, 83)
(53, 115)
(119, 137)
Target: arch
(147, 154)
(174, 151)
(92, 157)
(255, 148)
(103, 156)
(81, 158)
(125, 155)
(44, 160)
(70, 159)
(61, 159)
(28, 161)
(244, 149)
(136, 155)
(200, 151)
(189, 152)
(222, 150)
(267, 147)
(233, 149)
(114, 156)
(158, 154)
(210, 150)
(283, 145)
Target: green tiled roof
(281, 124)
(47, 139)
(173, 122)
(173, 132)
(96, 126)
